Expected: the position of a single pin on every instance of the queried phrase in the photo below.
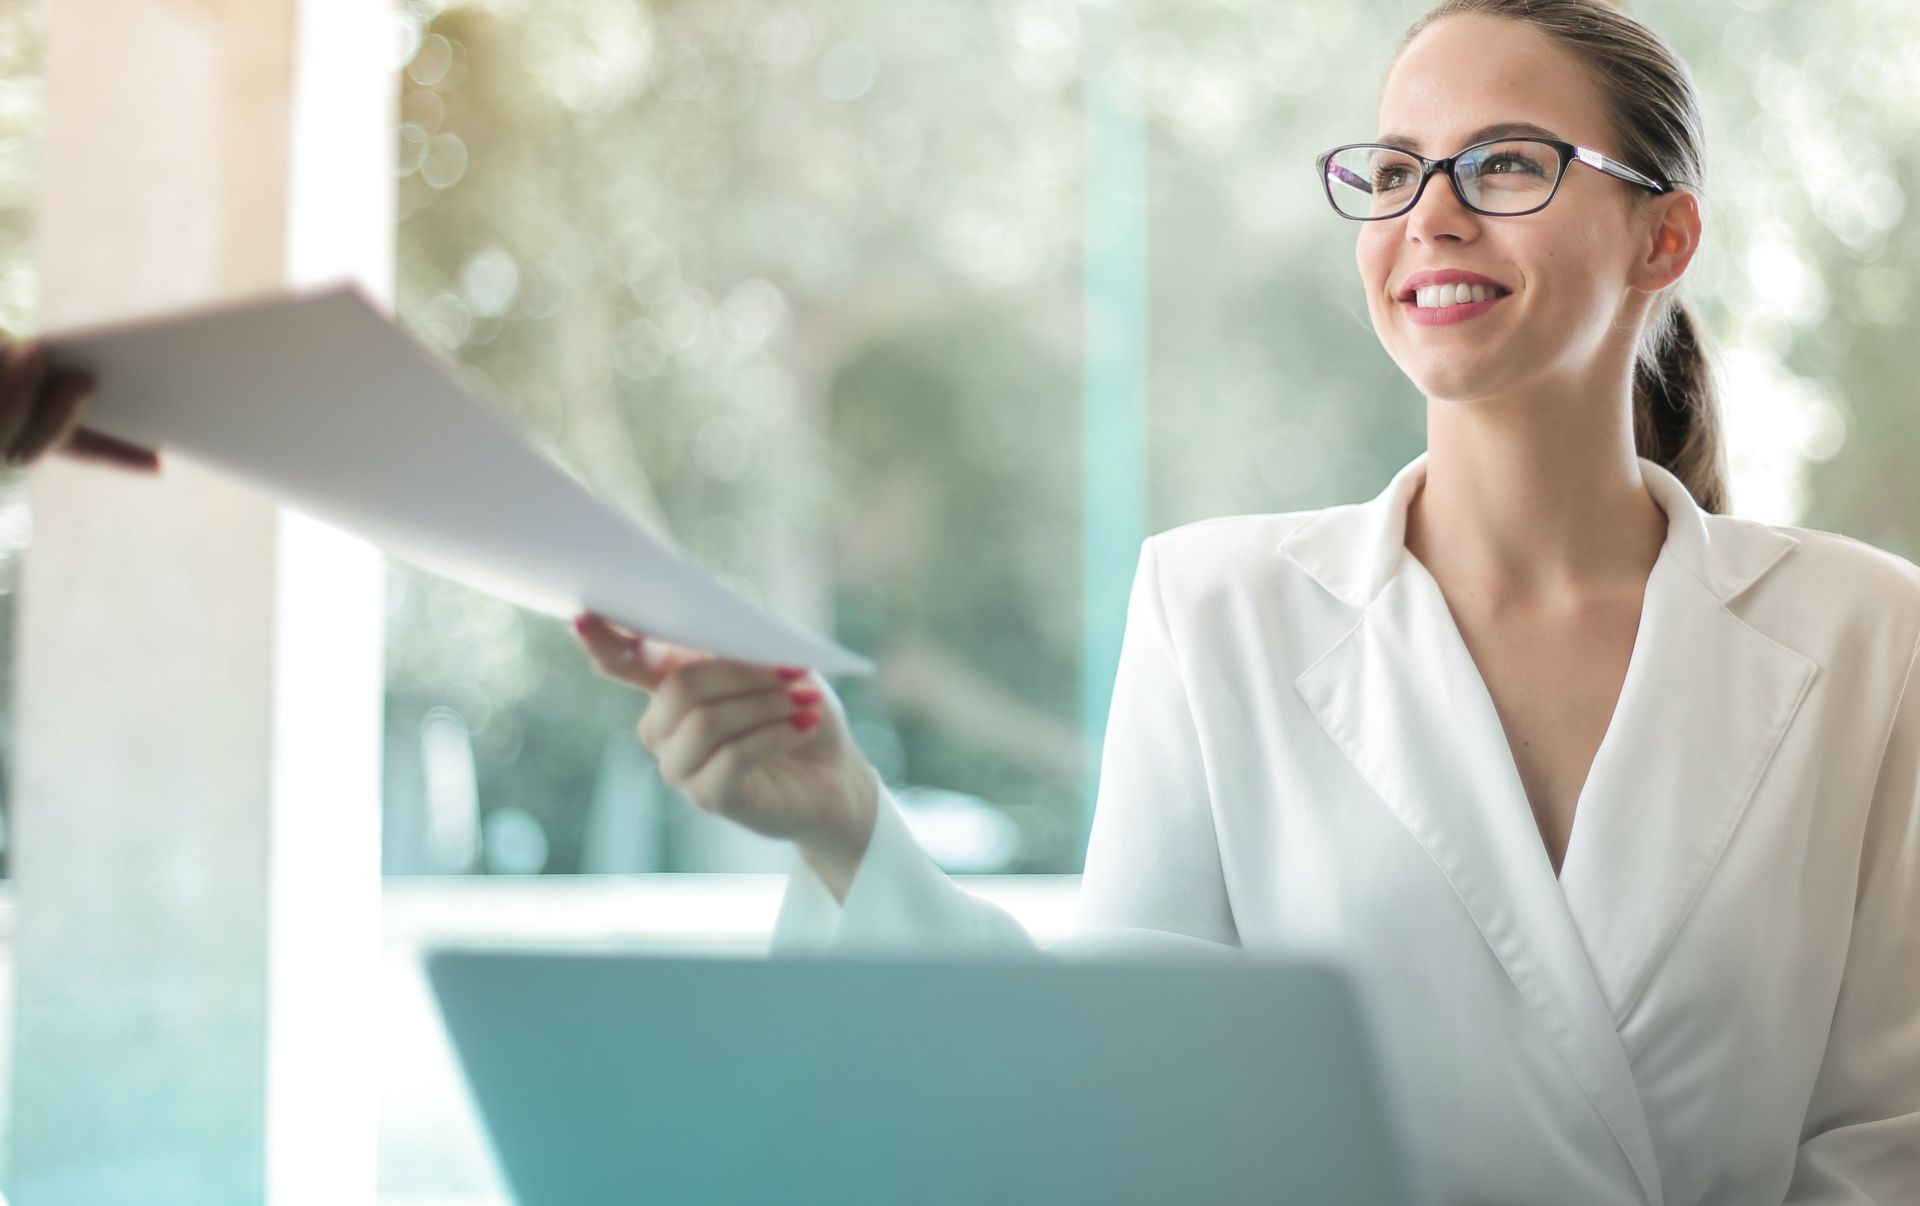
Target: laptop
(931, 1080)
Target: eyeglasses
(1370, 181)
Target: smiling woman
(1609, 798)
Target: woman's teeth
(1435, 297)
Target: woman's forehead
(1462, 79)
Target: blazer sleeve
(899, 899)
(1152, 882)
(1861, 1140)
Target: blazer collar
(1355, 549)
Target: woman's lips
(1446, 316)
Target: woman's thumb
(653, 660)
(626, 655)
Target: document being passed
(319, 400)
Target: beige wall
(196, 830)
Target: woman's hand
(40, 412)
(766, 747)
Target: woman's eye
(1490, 166)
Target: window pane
(798, 289)
(812, 289)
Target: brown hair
(1655, 116)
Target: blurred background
(910, 321)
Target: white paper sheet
(317, 399)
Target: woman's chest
(1334, 825)
(1554, 682)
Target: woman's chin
(1455, 373)
(1453, 381)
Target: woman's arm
(898, 898)
(1153, 860)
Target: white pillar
(196, 841)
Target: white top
(1718, 999)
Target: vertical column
(1113, 410)
(197, 838)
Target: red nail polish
(789, 673)
(805, 720)
(804, 696)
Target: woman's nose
(1439, 212)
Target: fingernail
(789, 673)
(805, 720)
(579, 623)
(804, 697)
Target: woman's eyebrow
(1497, 130)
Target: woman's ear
(1676, 236)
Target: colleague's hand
(764, 746)
(40, 412)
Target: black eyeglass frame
(1569, 153)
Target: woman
(1612, 800)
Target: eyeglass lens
(1500, 177)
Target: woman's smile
(1448, 315)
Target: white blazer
(1717, 1000)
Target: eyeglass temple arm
(1595, 159)
(1347, 177)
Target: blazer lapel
(1705, 703)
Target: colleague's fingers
(21, 374)
(85, 444)
(53, 420)
(704, 682)
(692, 743)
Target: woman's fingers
(21, 374)
(53, 420)
(697, 684)
(707, 787)
(708, 734)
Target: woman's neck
(1532, 505)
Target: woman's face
(1566, 267)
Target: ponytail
(1676, 416)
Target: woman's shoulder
(1836, 586)
(1224, 543)
(1830, 561)
(1204, 565)
(1225, 581)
